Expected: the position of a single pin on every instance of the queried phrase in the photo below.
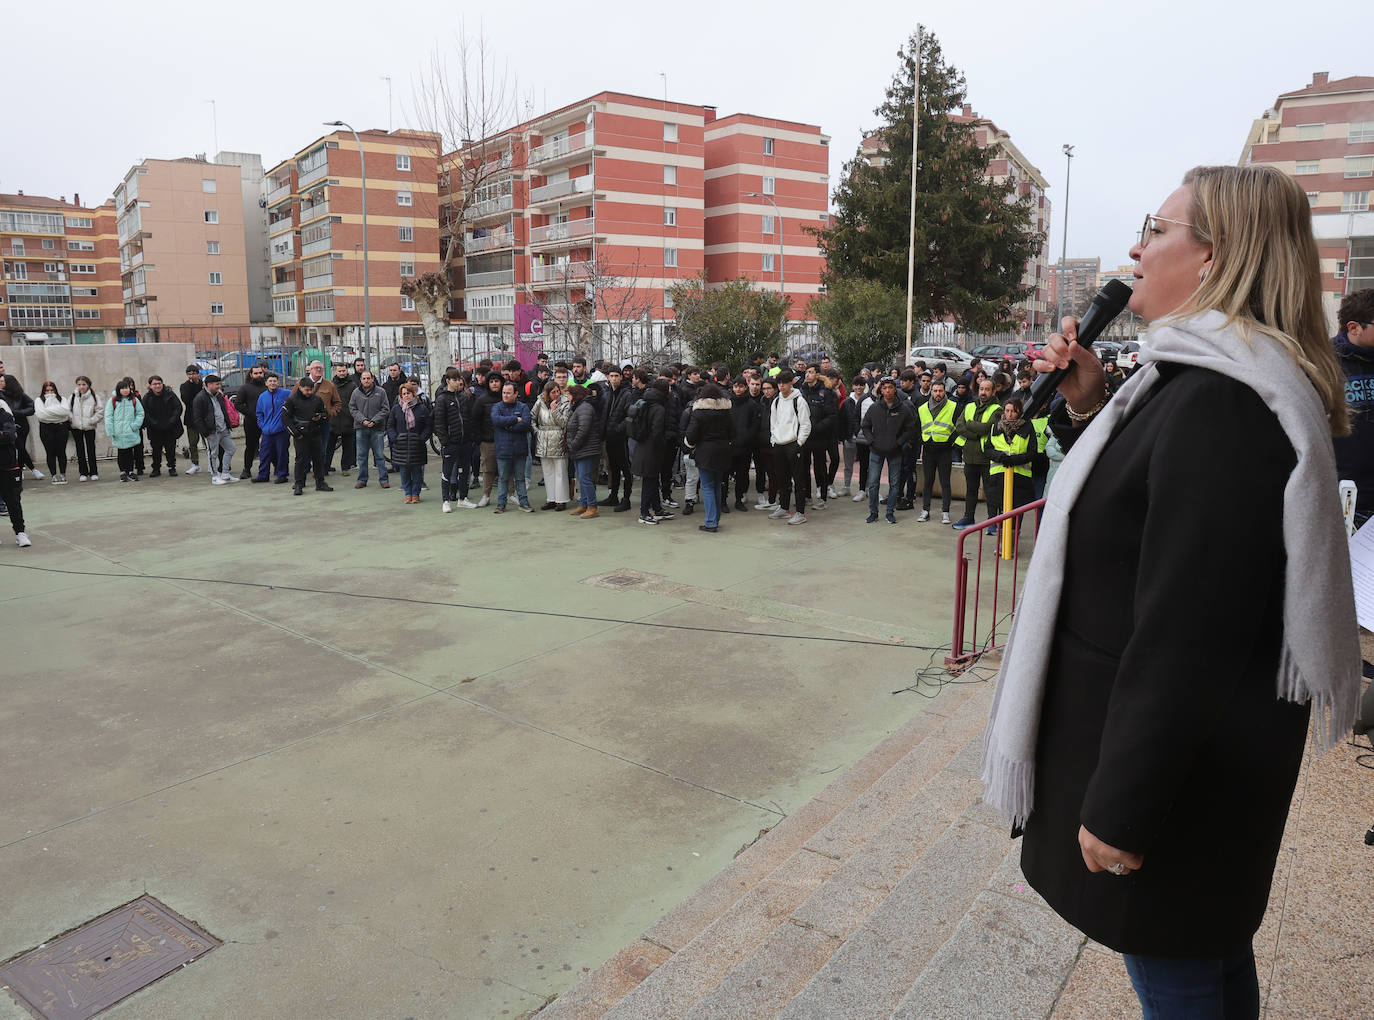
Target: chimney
(21, 192)
(1318, 78)
(710, 113)
(968, 110)
(62, 199)
(76, 198)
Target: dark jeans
(906, 483)
(309, 450)
(875, 478)
(789, 464)
(649, 501)
(125, 459)
(272, 453)
(412, 479)
(618, 459)
(1020, 491)
(765, 478)
(817, 453)
(975, 475)
(739, 468)
(712, 493)
(324, 446)
(11, 487)
(1196, 989)
(861, 455)
(936, 457)
(348, 447)
(586, 480)
(252, 442)
(372, 441)
(53, 435)
(21, 422)
(833, 455)
(164, 443)
(456, 471)
(85, 451)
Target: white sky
(1143, 91)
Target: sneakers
(741, 505)
(155, 473)
(245, 475)
(124, 476)
(171, 472)
(872, 519)
(925, 516)
(467, 504)
(81, 478)
(228, 477)
(221, 480)
(962, 522)
(763, 504)
(891, 517)
(687, 510)
(818, 505)
(859, 497)
(486, 499)
(95, 478)
(648, 520)
(779, 514)
(944, 518)
(523, 506)
(500, 508)
(37, 473)
(672, 503)
(319, 486)
(22, 540)
(256, 480)
(665, 516)
(194, 469)
(296, 490)
(843, 490)
(708, 527)
(797, 518)
(447, 507)
(905, 504)
(620, 508)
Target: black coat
(710, 430)
(825, 411)
(482, 429)
(1160, 729)
(409, 445)
(162, 414)
(583, 433)
(189, 391)
(303, 416)
(202, 414)
(617, 403)
(246, 400)
(343, 420)
(886, 429)
(747, 416)
(451, 417)
(651, 454)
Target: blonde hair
(1266, 275)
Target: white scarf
(1320, 657)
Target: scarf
(408, 408)
(1319, 661)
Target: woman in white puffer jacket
(88, 411)
(54, 426)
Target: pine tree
(973, 237)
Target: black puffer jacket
(710, 429)
(825, 409)
(162, 413)
(745, 412)
(617, 402)
(409, 445)
(583, 432)
(887, 427)
(482, 429)
(450, 417)
(302, 415)
(245, 398)
(649, 455)
(343, 420)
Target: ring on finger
(1118, 869)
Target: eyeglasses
(1148, 227)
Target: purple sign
(529, 334)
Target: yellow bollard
(1008, 504)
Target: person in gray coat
(369, 407)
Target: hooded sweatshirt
(790, 419)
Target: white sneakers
(944, 518)
(818, 505)
(448, 507)
(219, 480)
(81, 478)
(925, 516)
(797, 518)
(484, 501)
(228, 477)
(95, 478)
(193, 469)
(22, 540)
(859, 497)
(467, 504)
(779, 514)
(843, 490)
(37, 473)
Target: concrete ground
(447, 807)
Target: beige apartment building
(183, 252)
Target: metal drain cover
(622, 580)
(104, 961)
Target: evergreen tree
(973, 237)
(860, 321)
(728, 323)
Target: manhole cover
(622, 580)
(104, 961)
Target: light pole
(782, 256)
(362, 167)
(1064, 251)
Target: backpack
(637, 421)
(231, 414)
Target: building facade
(314, 203)
(1075, 280)
(1323, 135)
(61, 267)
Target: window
(670, 175)
(49, 244)
(19, 270)
(84, 268)
(768, 146)
(216, 279)
(669, 132)
(667, 299)
(85, 292)
(207, 185)
(407, 304)
(402, 161)
(768, 263)
(217, 308)
(54, 267)
(670, 257)
(1359, 166)
(769, 186)
(81, 246)
(1310, 132)
(407, 268)
(211, 247)
(1312, 166)
(403, 198)
(825, 217)
(87, 313)
(1360, 131)
(211, 215)
(669, 216)
(1311, 198)
(407, 233)
(768, 224)
(1355, 201)
(84, 222)
(1340, 269)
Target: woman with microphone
(1156, 689)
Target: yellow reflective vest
(1042, 429)
(972, 406)
(937, 428)
(1018, 443)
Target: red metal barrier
(960, 652)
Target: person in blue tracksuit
(272, 450)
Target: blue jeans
(412, 477)
(373, 439)
(1196, 989)
(508, 469)
(710, 495)
(875, 476)
(586, 480)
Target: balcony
(563, 189)
(280, 226)
(305, 178)
(39, 277)
(283, 251)
(322, 315)
(490, 207)
(491, 242)
(564, 148)
(279, 191)
(285, 313)
(499, 278)
(313, 282)
(560, 272)
(140, 288)
(55, 317)
(284, 287)
(136, 259)
(128, 293)
(314, 212)
(316, 247)
(562, 233)
(501, 313)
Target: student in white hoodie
(54, 427)
(789, 428)
(87, 412)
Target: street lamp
(362, 166)
(1064, 252)
(782, 257)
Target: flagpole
(911, 239)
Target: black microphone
(1106, 305)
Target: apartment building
(1005, 163)
(314, 203)
(1076, 280)
(767, 183)
(183, 252)
(1323, 134)
(596, 210)
(61, 267)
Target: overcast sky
(1143, 91)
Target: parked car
(956, 361)
(1108, 350)
(1128, 358)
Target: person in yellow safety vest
(973, 428)
(1040, 464)
(937, 448)
(1011, 447)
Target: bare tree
(467, 101)
(599, 308)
